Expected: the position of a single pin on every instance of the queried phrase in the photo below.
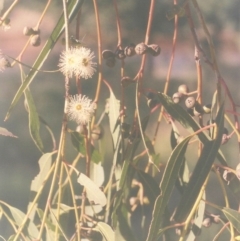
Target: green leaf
(201, 171)
(45, 163)
(33, 120)
(79, 143)
(151, 188)
(181, 115)
(233, 216)
(72, 8)
(167, 184)
(105, 230)
(114, 108)
(93, 191)
(19, 216)
(123, 226)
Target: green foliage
(117, 185)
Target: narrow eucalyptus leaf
(19, 216)
(45, 163)
(72, 8)
(181, 115)
(233, 216)
(114, 108)
(33, 119)
(93, 191)
(5, 132)
(166, 186)
(201, 172)
(106, 231)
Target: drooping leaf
(233, 216)
(151, 188)
(114, 108)
(97, 174)
(5, 132)
(106, 231)
(181, 115)
(167, 184)
(123, 226)
(45, 163)
(33, 120)
(19, 216)
(201, 171)
(72, 8)
(93, 191)
(79, 144)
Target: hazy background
(18, 157)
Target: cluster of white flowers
(78, 62)
(80, 109)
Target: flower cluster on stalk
(80, 109)
(78, 62)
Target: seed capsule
(141, 48)
(110, 62)
(207, 222)
(130, 50)
(35, 40)
(107, 54)
(190, 102)
(28, 31)
(154, 49)
(96, 133)
(177, 97)
(225, 139)
(183, 89)
(120, 54)
(127, 81)
(207, 108)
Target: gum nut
(141, 48)
(107, 54)
(27, 31)
(177, 97)
(120, 54)
(225, 139)
(96, 133)
(35, 40)
(183, 89)
(190, 102)
(207, 108)
(130, 50)
(207, 222)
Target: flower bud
(35, 40)
(183, 89)
(27, 31)
(120, 54)
(130, 50)
(141, 48)
(96, 133)
(107, 54)
(177, 97)
(190, 102)
(207, 222)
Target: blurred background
(19, 156)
